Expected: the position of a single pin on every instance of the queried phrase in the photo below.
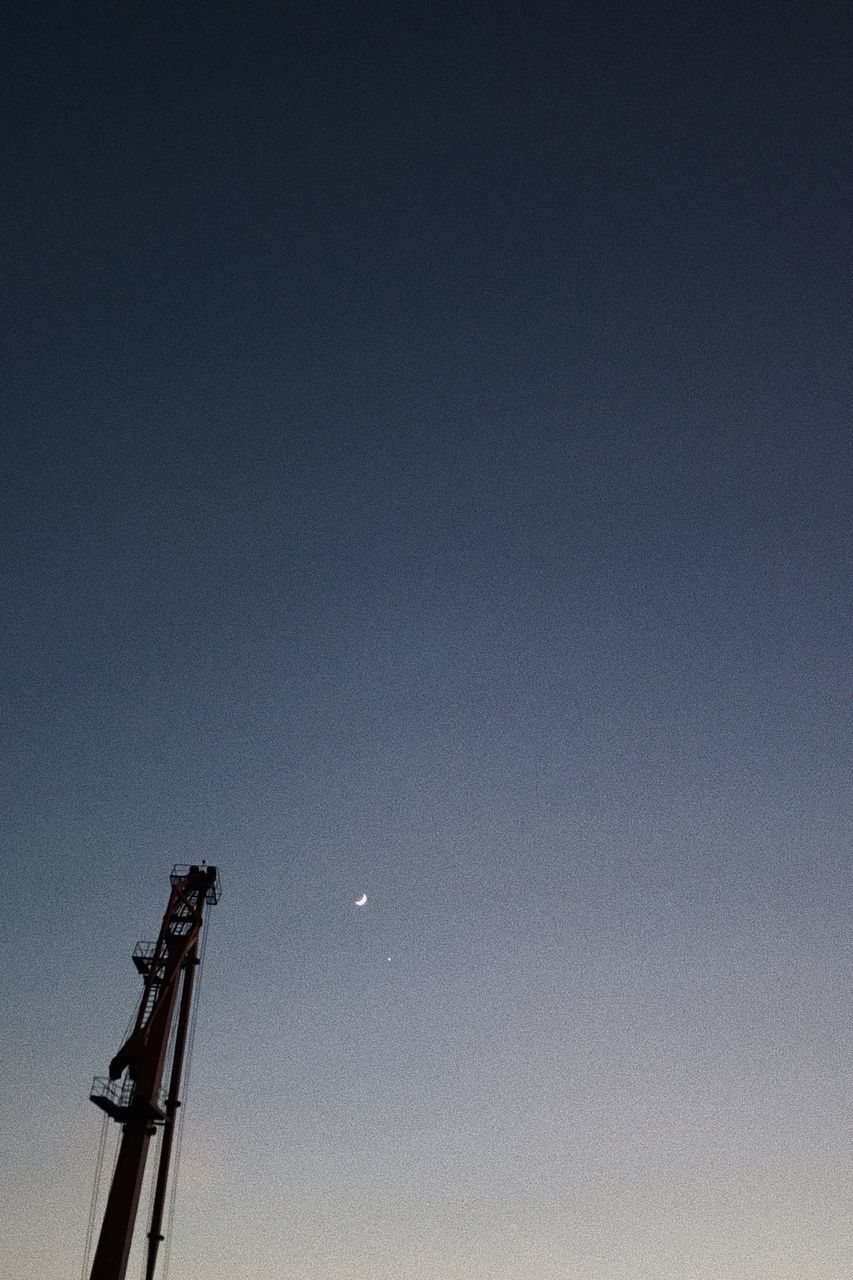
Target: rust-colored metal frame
(168, 971)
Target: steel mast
(136, 1101)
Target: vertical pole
(172, 1104)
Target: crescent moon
(359, 902)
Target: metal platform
(117, 1098)
(180, 871)
(143, 954)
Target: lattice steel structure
(133, 1093)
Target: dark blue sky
(427, 473)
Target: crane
(132, 1093)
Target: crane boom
(132, 1093)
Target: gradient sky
(427, 472)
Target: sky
(426, 473)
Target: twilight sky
(427, 472)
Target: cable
(96, 1187)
